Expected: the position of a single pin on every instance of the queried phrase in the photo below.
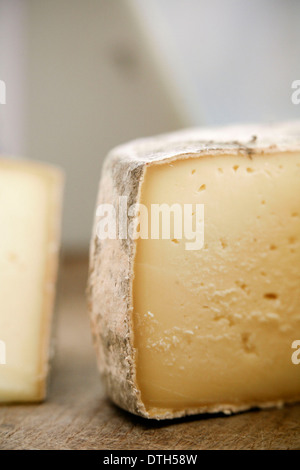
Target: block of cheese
(181, 331)
(30, 213)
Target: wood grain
(77, 414)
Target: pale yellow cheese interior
(29, 220)
(215, 326)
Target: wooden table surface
(77, 414)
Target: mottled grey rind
(111, 261)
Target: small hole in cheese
(270, 296)
(247, 343)
(12, 257)
(224, 243)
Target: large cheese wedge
(179, 330)
(30, 213)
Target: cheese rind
(145, 369)
(30, 216)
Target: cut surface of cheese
(182, 331)
(30, 213)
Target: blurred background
(85, 75)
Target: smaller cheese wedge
(181, 331)
(30, 217)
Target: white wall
(12, 72)
(236, 59)
(93, 84)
